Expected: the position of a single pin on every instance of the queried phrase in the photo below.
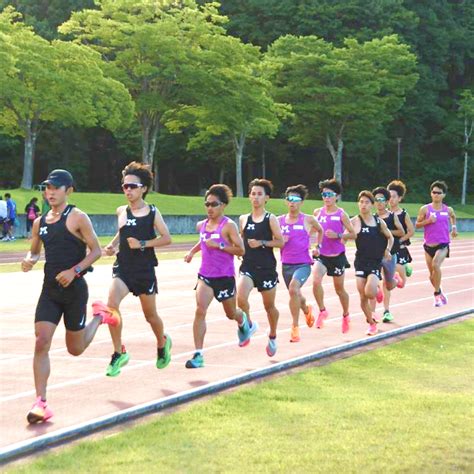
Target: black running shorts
(223, 287)
(263, 279)
(431, 251)
(139, 282)
(335, 266)
(364, 268)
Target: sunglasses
(328, 194)
(437, 192)
(380, 200)
(293, 199)
(126, 186)
(212, 203)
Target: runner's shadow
(121, 405)
(198, 383)
(167, 393)
(40, 428)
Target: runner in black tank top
(134, 268)
(261, 233)
(374, 242)
(65, 232)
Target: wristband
(454, 226)
(339, 235)
(142, 245)
(78, 271)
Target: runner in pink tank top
(435, 219)
(331, 258)
(219, 241)
(296, 228)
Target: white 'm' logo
(322, 218)
(43, 230)
(285, 229)
(223, 294)
(267, 284)
(250, 226)
(131, 222)
(365, 230)
(338, 271)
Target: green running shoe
(387, 317)
(117, 362)
(408, 270)
(162, 362)
(196, 362)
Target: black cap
(59, 178)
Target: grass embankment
(107, 203)
(402, 408)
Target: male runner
(65, 232)
(134, 269)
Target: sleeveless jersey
(401, 217)
(296, 249)
(331, 247)
(258, 258)
(215, 263)
(390, 221)
(63, 250)
(437, 232)
(142, 228)
(370, 242)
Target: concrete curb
(27, 447)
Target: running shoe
(117, 362)
(321, 317)
(271, 347)
(387, 316)
(295, 334)
(162, 362)
(309, 316)
(245, 332)
(438, 301)
(109, 316)
(372, 331)
(379, 295)
(39, 412)
(399, 280)
(444, 298)
(196, 362)
(346, 320)
(408, 270)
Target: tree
(55, 81)
(234, 100)
(336, 93)
(153, 48)
(466, 111)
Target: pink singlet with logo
(437, 232)
(331, 247)
(215, 263)
(296, 249)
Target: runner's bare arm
(347, 223)
(398, 232)
(315, 226)
(452, 217)
(421, 220)
(197, 246)
(410, 229)
(355, 223)
(231, 233)
(386, 232)
(277, 239)
(35, 248)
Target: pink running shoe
(444, 298)
(372, 331)
(346, 320)
(321, 317)
(399, 280)
(438, 301)
(39, 412)
(379, 296)
(110, 317)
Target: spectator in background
(45, 207)
(3, 216)
(32, 211)
(11, 217)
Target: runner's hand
(109, 250)
(27, 264)
(133, 243)
(254, 243)
(387, 255)
(212, 244)
(454, 232)
(66, 277)
(331, 234)
(188, 257)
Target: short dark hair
(263, 183)
(331, 184)
(221, 191)
(140, 170)
(8, 195)
(436, 184)
(398, 186)
(367, 194)
(382, 190)
(299, 189)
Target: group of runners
(309, 245)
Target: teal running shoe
(245, 332)
(117, 362)
(196, 362)
(162, 362)
(387, 316)
(271, 347)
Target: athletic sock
(272, 337)
(198, 352)
(436, 293)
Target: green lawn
(96, 203)
(406, 407)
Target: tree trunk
(264, 163)
(467, 136)
(29, 153)
(221, 175)
(336, 156)
(239, 144)
(150, 128)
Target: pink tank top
(331, 247)
(215, 263)
(296, 249)
(437, 232)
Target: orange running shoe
(39, 412)
(309, 316)
(295, 334)
(109, 316)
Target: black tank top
(370, 241)
(142, 228)
(390, 221)
(258, 258)
(63, 250)
(401, 217)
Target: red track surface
(79, 391)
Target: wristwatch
(264, 244)
(142, 245)
(222, 245)
(78, 271)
